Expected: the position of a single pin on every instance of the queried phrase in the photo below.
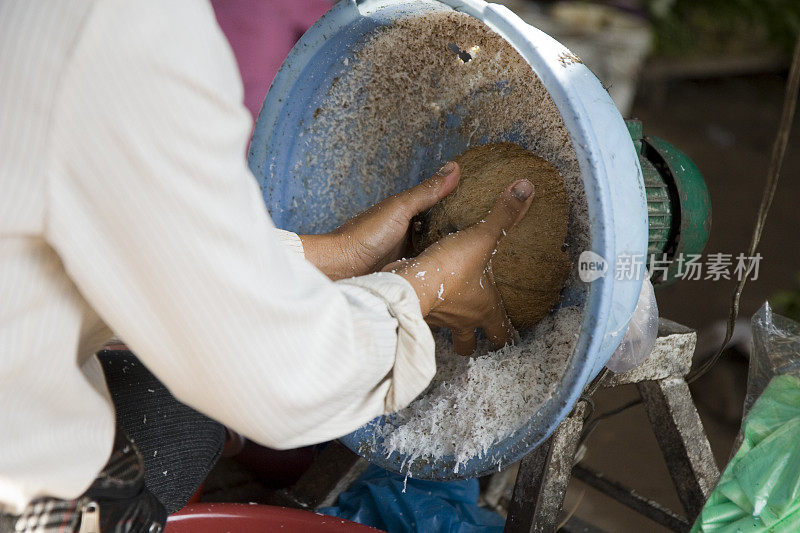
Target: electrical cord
(590, 427)
(773, 175)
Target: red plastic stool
(242, 518)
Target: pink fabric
(261, 33)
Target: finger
(509, 208)
(463, 341)
(498, 328)
(426, 194)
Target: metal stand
(545, 472)
(543, 477)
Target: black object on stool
(179, 445)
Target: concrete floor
(727, 127)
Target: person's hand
(453, 277)
(379, 235)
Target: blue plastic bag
(378, 499)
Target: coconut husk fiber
(530, 266)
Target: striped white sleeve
(413, 337)
(160, 224)
(290, 240)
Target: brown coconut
(530, 266)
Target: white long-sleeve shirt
(126, 204)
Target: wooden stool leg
(543, 477)
(683, 441)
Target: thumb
(510, 207)
(426, 194)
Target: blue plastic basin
(609, 167)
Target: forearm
(327, 253)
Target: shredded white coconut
(475, 401)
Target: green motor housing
(678, 204)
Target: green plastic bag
(760, 488)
